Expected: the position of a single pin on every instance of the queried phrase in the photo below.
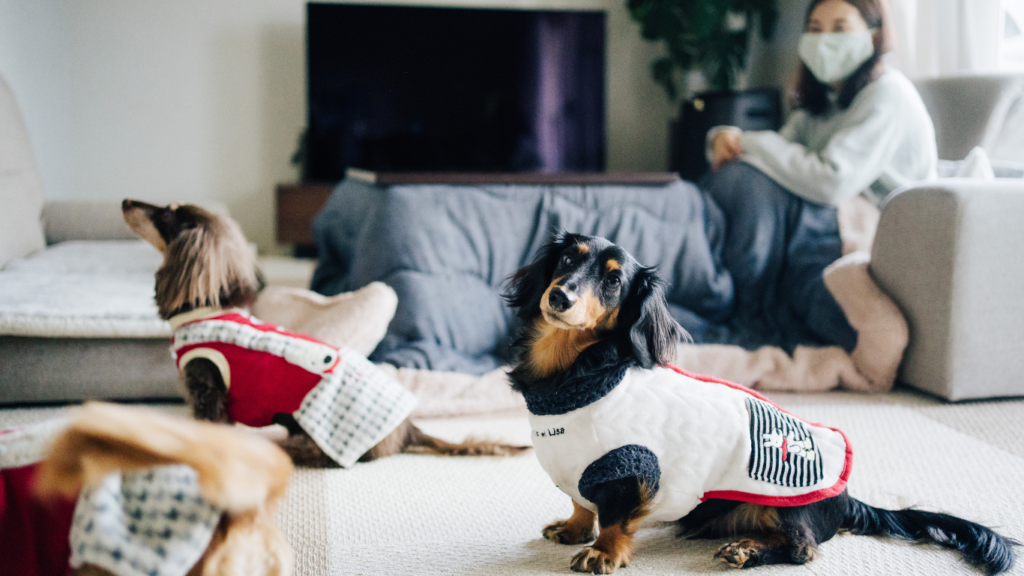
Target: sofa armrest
(94, 220)
(948, 253)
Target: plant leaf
(663, 72)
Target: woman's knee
(738, 186)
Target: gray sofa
(944, 251)
(948, 252)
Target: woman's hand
(726, 148)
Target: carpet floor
(425, 515)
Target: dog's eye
(566, 260)
(613, 280)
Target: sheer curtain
(943, 37)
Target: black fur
(654, 333)
(206, 391)
(980, 546)
(616, 500)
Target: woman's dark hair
(811, 94)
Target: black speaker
(755, 109)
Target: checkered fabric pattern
(353, 408)
(149, 523)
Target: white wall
(198, 99)
(33, 49)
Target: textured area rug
(426, 515)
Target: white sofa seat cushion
(83, 289)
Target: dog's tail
(422, 443)
(980, 546)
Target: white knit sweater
(883, 141)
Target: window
(1011, 50)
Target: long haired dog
(239, 475)
(337, 406)
(628, 436)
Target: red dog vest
(266, 369)
(344, 402)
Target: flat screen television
(418, 89)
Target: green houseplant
(707, 35)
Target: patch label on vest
(782, 449)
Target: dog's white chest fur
(710, 440)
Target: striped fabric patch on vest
(782, 450)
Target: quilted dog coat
(690, 438)
(344, 402)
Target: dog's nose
(126, 204)
(560, 300)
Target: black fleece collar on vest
(595, 373)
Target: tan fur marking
(583, 248)
(577, 529)
(595, 311)
(612, 550)
(554, 349)
(612, 264)
(610, 320)
(586, 313)
(137, 220)
(614, 546)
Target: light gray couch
(949, 252)
(945, 251)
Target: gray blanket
(446, 251)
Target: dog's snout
(560, 300)
(126, 204)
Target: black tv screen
(400, 88)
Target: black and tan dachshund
(592, 318)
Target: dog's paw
(591, 559)
(742, 554)
(803, 552)
(565, 532)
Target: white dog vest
(691, 438)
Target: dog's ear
(526, 287)
(653, 333)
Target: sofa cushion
(21, 190)
(84, 289)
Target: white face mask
(833, 56)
